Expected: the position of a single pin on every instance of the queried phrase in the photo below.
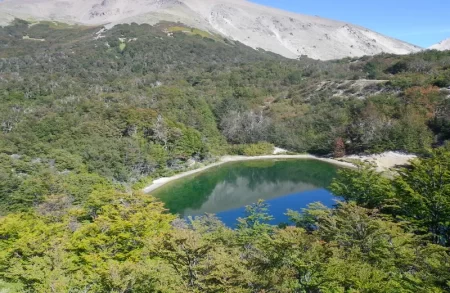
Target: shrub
(339, 148)
(257, 149)
(398, 67)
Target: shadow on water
(226, 190)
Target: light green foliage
(127, 244)
(290, 260)
(307, 219)
(101, 248)
(122, 46)
(365, 186)
(376, 252)
(193, 31)
(424, 193)
(256, 221)
(202, 265)
(258, 149)
(33, 253)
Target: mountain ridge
(442, 45)
(285, 33)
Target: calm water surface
(226, 190)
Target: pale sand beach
(227, 159)
(383, 162)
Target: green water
(225, 190)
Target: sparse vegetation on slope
(285, 33)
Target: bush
(257, 149)
(339, 148)
(398, 67)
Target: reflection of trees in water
(227, 196)
(193, 192)
(307, 171)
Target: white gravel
(277, 151)
(385, 161)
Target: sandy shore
(383, 162)
(226, 159)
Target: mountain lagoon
(225, 190)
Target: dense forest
(389, 235)
(88, 116)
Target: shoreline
(228, 159)
(385, 161)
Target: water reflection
(279, 205)
(227, 189)
(239, 193)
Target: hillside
(442, 46)
(134, 103)
(288, 34)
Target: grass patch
(58, 25)
(193, 32)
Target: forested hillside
(88, 115)
(136, 101)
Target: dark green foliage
(399, 67)
(371, 70)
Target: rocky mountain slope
(281, 32)
(442, 46)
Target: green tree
(424, 193)
(365, 186)
(256, 221)
(204, 265)
(34, 254)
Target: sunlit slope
(281, 32)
